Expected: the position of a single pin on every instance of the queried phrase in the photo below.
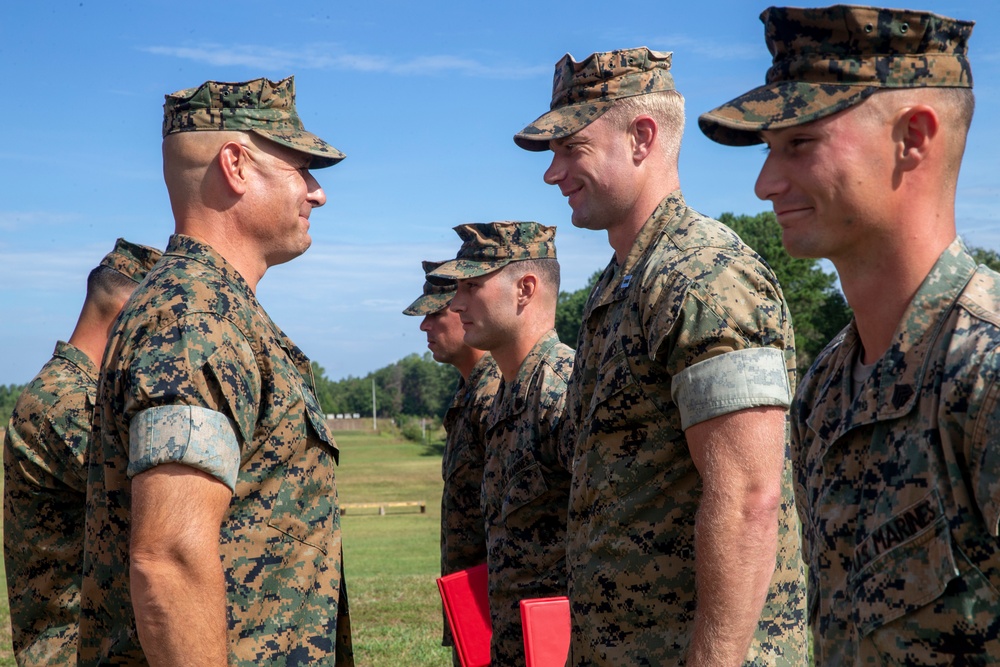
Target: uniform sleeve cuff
(731, 382)
(194, 436)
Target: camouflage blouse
(44, 493)
(194, 334)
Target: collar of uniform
(77, 357)
(895, 383)
(513, 399)
(668, 211)
(193, 249)
(486, 364)
(905, 363)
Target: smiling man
(865, 114)
(508, 284)
(463, 530)
(682, 540)
(213, 531)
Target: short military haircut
(106, 287)
(546, 269)
(665, 107)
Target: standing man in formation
(508, 285)
(45, 474)
(895, 428)
(213, 531)
(463, 530)
(683, 544)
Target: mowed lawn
(390, 561)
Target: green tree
(985, 256)
(569, 311)
(8, 399)
(818, 308)
(414, 385)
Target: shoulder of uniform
(981, 296)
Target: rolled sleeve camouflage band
(731, 382)
(195, 436)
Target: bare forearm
(735, 551)
(180, 610)
(178, 586)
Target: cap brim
(458, 269)
(428, 304)
(559, 123)
(323, 154)
(776, 106)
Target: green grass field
(390, 561)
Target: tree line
(416, 385)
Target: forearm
(735, 552)
(180, 609)
(178, 586)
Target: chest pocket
(525, 484)
(642, 439)
(902, 565)
(305, 507)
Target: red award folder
(466, 604)
(546, 631)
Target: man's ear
(527, 287)
(642, 133)
(915, 130)
(234, 162)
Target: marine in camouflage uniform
(197, 374)
(526, 476)
(894, 428)
(685, 325)
(45, 475)
(463, 531)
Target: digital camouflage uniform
(691, 326)
(899, 485)
(197, 374)
(896, 484)
(195, 335)
(463, 531)
(45, 487)
(526, 476)
(525, 492)
(44, 491)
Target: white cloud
(326, 57)
(18, 220)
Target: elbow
(762, 507)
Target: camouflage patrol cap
(131, 259)
(583, 91)
(490, 246)
(437, 292)
(260, 106)
(831, 58)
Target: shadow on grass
(433, 449)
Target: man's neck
(622, 236)
(513, 353)
(880, 288)
(468, 362)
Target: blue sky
(423, 98)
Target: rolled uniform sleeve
(194, 389)
(722, 338)
(730, 382)
(197, 437)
